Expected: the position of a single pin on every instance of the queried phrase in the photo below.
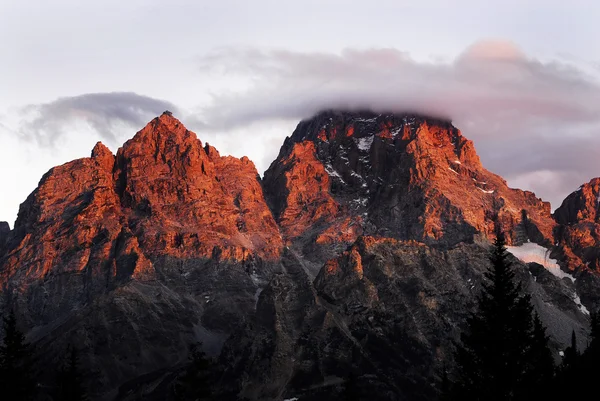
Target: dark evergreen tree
(538, 377)
(595, 329)
(196, 382)
(70, 383)
(350, 391)
(446, 385)
(578, 373)
(17, 378)
(590, 359)
(493, 359)
(571, 354)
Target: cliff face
(386, 308)
(4, 231)
(403, 176)
(389, 217)
(188, 200)
(578, 236)
(167, 239)
(164, 194)
(363, 246)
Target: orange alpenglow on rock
(162, 194)
(404, 176)
(363, 224)
(579, 233)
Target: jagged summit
(162, 127)
(410, 177)
(365, 223)
(4, 231)
(162, 194)
(579, 233)
(371, 119)
(582, 204)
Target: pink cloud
(525, 115)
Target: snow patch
(395, 132)
(457, 162)
(409, 121)
(581, 307)
(531, 252)
(360, 201)
(364, 144)
(454, 171)
(332, 173)
(486, 191)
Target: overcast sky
(519, 78)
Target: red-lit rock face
(407, 177)
(164, 194)
(579, 232)
(70, 222)
(188, 201)
(371, 222)
(303, 187)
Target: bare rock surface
(361, 249)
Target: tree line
(504, 354)
(19, 371)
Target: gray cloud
(103, 112)
(493, 77)
(528, 118)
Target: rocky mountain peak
(432, 135)
(365, 223)
(4, 231)
(103, 156)
(579, 233)
(581, 205)
(162, 194)
(4, 227)
(163, 133)
(395, 174)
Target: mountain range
(361, 249)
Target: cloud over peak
(489, 79)
(105, 113)
(528, 117)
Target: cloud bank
(105, 113)
(37, 137)
(534, 122)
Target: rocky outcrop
(403, 176)
(385, 311)
(164, 194)
(299, 186)
(360, 250)
(581, 205)
(4, 231)
(389, 304)
(578, 238)
(167, 227)
(187, 200)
